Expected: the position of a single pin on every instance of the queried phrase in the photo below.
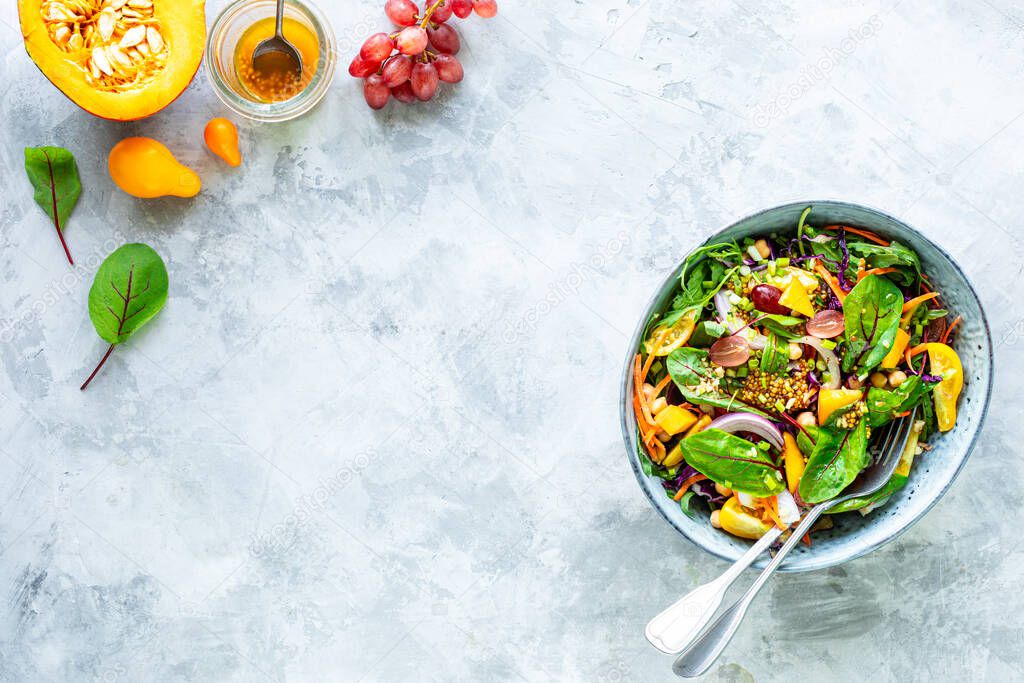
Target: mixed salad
(759, 389)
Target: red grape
(396, 70)
(485, 8)
(424, 81)
(361, 68)
(403, 93)
(462, 8)
(444, 39)
(375, 92)
(377, 48)
(766, 299)
(411, 41)
(401, 12)
(826, 324)
(448, 68)
(729, 352)
(443, 12)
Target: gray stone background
(374, 433)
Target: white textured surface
(374, 433)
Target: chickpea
(854, 383)
(723, 491)
(648, 392)
(663, 436)
(896, 378)
(795, 351)
(714, 519)
(807, 419)
(657, 405)
(762, 248)
(878, 380)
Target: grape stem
(430, 12)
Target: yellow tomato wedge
(738, 522)
(665, 340)
(943, 361)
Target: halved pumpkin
(118, 59)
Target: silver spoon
(276, 51)
(704, 650)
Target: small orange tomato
(221, 137)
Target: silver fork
(702, 652)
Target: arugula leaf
(129, 289)
(872, 314)
(837, 459)
(704, 273)
(884, 404)
(895, 255)
(731, 461)
(686, 504)
(691, 371)
(54, 175)
(773, 358)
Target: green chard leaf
(691, 371)
(129, 289)
(732, 461)
(896, 482)
(775, 355)
(884, 404)
(837, 459)
(872, 314)
(54, 175)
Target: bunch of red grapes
(409, 63)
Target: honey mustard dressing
(274, 80)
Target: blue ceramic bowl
(933, 472)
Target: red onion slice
(748, 422)
(831, 360)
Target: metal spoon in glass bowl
(276, 54)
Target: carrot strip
(638, 386)
(903, 414)
(949, 330)
(918, 300)
(807, 539)
(920, 348)
(772, 508)
(687, 483)
(874, 271)
(661, 385)
(832, 282)
(866, 234)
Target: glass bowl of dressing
(269, 95)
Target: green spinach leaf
(54, 175)
(691, 371)
(731, 461)
(837, 459)
(872, 315)
(129, 289)
(895, 255)
(884, 404)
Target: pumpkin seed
(106, 22)
(99, 58)
(154, 39)
(133, 36)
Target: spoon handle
(279, 26)
(702, 652)
(673, 629)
